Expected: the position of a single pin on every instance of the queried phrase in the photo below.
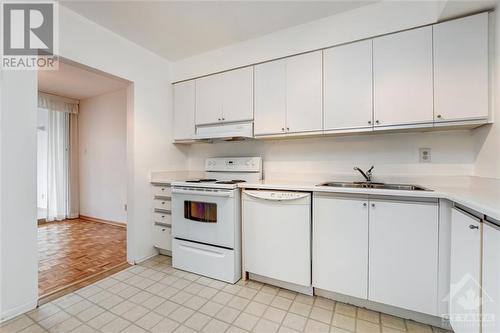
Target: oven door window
(200, 211)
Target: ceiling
(180, 29)
(77, 82)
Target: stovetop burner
(233, 181)
(202, 180)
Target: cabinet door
(461, 69)
(237, 95)
(270, 98)
(465, 265)
(403, 255)
(402, 78)
(184, 109)
(491, 278)
(209, 99)
(304, 75)
(340, 226)
(347, 87)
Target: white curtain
(57, 159)
(62, 154)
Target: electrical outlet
(424, 155)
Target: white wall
(102, 136)
(487, 138)
(392, 155)
(18, 220)
(364, 22)
(149, 121)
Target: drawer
(162, 237)
(162, 217)
(211, 261)
(162, 190)
(162, 204)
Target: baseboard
(307, 290)
(384, 308)
(95, 219)
(18, 311)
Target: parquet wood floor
(72, 250)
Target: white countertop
(476, 193)
(480, 194)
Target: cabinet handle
(223, 118)
(364, 204)
(288, 128)
(439, 116)
(373, 205)
(282, 129)
(369, 122)
(377, 122)
(472, 227)
(219, 119)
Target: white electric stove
(206, 219)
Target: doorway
(81, 177)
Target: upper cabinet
(461, 69)
(402, 75)
(304, 100)
(225, 97)
(270, 98)
(348, 84)
(184, 105)
(437, 75)
(288, 95)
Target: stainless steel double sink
(380, 186)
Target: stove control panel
(234, 164)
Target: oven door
(204, 215)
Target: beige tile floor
(154, 297)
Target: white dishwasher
(277, 236)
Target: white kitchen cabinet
(184, 108)
(209, 99)
(225, 97)
(461, 69)
(270, 98)
(347, 90)
(402, 78)
(340, 245)
(162, 236)
(465, 272)
(288, 95)
(491, 278)
(304, 77)
(237, 99)
(403, 255)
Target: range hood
(226, 132)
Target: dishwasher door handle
(255, 194)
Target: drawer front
(162, 190)
(162, 204)
(162, 237)
(214, 262)
(164, 218)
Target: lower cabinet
(162, 236)
(491, 278)
(385, 251)
(404, 254)
(465, 272)
(162, 216)
(340, 245)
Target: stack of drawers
(162, 216)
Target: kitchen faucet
(367, 175)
